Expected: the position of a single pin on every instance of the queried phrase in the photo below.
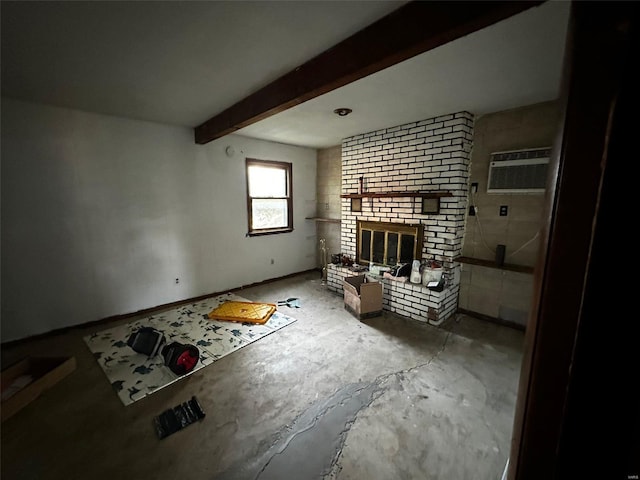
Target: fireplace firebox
(386, 243)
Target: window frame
(288, 169)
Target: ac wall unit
(518, 171)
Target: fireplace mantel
(398, 195)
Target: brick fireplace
(390, 171)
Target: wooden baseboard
(146, 311)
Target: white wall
(101, 214)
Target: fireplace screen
(388, 243)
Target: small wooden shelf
(491, 264)
(397, 194)
(322, 219)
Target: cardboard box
(27, 379)
(362, 296)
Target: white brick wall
(430, 155)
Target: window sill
(274, 231)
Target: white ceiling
(183, 62)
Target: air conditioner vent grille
(522, 171)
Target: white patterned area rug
(134, 375)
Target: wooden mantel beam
(414, 28)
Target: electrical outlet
(177, 280)
(503, 210)
(326, 206)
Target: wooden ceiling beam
(414, 28)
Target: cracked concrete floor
(328, 397)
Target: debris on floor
(174, 419)
(26, 380)
(290, 302)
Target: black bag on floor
(147, 340)
(180, 358)
(177, 418)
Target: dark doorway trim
(555, 436)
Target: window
(269, 202)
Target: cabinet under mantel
(397, 194)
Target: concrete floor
(328, 397)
